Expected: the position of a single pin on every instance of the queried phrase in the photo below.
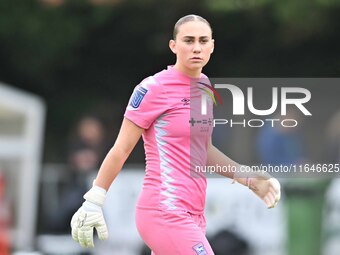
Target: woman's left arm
(217, 158)
(266, 187)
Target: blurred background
(67, 70)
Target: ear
(212, 46)
(172, 46)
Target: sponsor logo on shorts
(138, 96)
(199, 249)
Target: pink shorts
(169, 233)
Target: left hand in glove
(268, 190)
(266, 187)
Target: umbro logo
(186, 101)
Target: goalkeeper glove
(89, 216)
(268, 190)
(266, 187)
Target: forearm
(110, 167)
(112, 164)
(216, 157)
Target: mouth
(196, 59)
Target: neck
(196, 73)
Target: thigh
(169, 233)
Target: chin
(195, 66)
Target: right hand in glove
(88, 217)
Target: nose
(197, 47)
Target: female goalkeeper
(170, 209)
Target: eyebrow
(193, 37)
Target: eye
(204, 41)
(188, 40)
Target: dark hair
(188, 18)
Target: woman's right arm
(127, 139)
(90, 215)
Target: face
(193, 46)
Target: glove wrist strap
(96, 195)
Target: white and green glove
(268, 190)
(88, 217)
(266, 187)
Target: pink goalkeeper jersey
(163, 105)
